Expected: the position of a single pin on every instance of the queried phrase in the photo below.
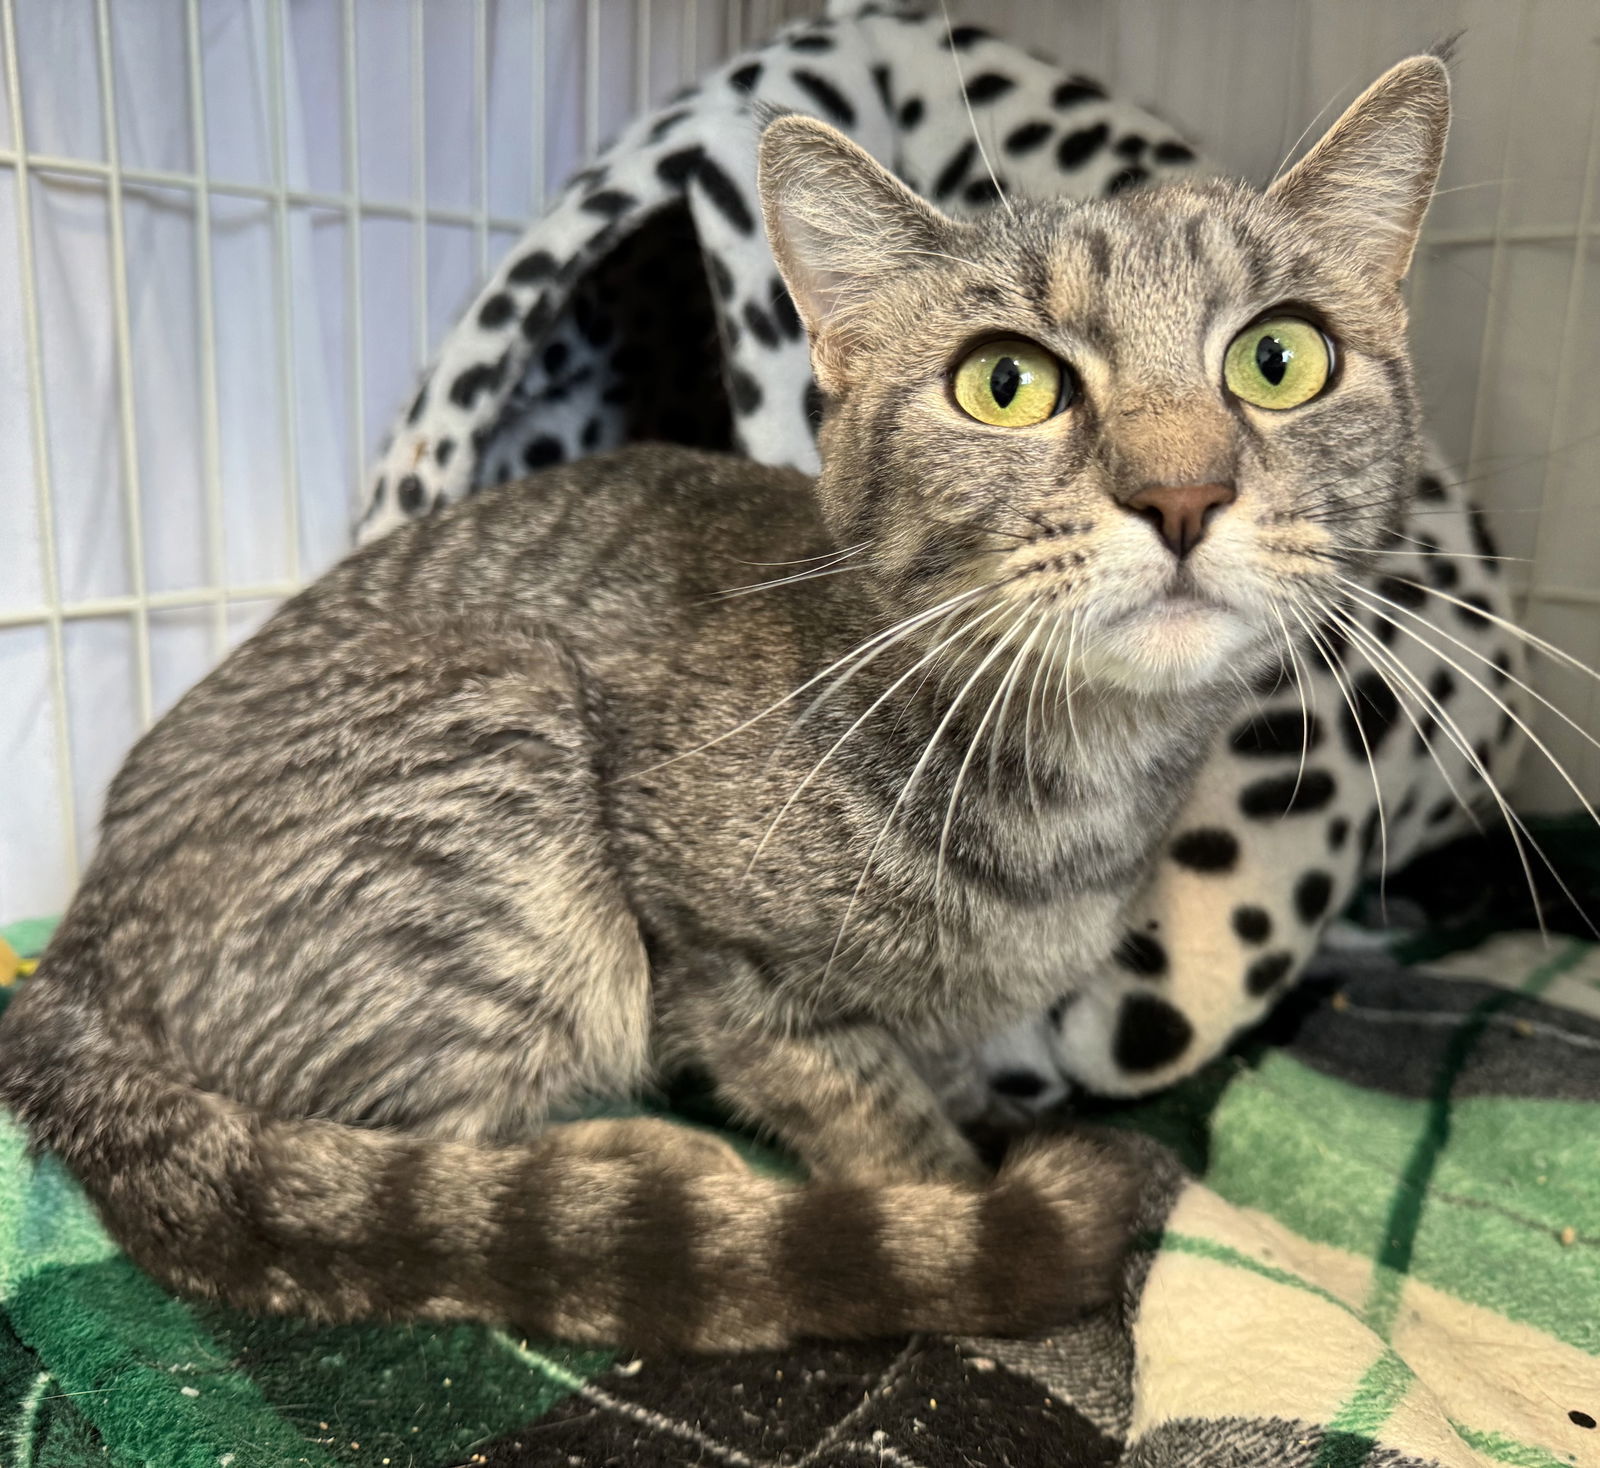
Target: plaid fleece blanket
(1375, 1240)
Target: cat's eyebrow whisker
(1355, 715)
(966, 101)
(910, 785)
(877, 643)
(872, 708)
(1497, 466)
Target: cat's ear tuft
(1369, 180)
(839, 224)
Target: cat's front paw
(1016, 1079)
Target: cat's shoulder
(668, 479)
(665, 473)
(701, 497)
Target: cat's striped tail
(634, 1232)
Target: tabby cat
(518, 809)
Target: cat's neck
(1024, 710)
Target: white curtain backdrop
(310, 190)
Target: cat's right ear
(839, 223)
(1368, 182)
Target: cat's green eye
(1279, 363)
(1009, 384)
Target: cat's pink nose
(1181, 512)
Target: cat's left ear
(839, 224)
(1369, 180)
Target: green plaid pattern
(1421, 1273)
(1387, 1252)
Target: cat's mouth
(1180, 638)
(1181, 602)
(1183, 596)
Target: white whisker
(1372, 768)
(1493, 698)
(878, 642)
(1065, 687)
(966, 762)
(1013, 678)
(1473, 652)
(1518, 830)
(1549, 649)
(1043, 670)
(848, 550)
(966, 101)
(922, 662)
(905, 792)
(1446, 555)
(1369, 647)
(833, 690)
(729, 593)
(1305, 712)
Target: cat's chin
(1172, 646)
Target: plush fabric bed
(1374, 1239)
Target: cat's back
(598, 551)
(655, 520)
(601, 555)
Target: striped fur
(519, 808)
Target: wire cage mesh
(233, 230)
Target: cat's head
(1173, 417)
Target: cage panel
(194, 406)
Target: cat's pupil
(1005, 380)
(1272, 357)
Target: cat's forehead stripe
(1080, 265)
(1202, 260)
(1143, 285)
